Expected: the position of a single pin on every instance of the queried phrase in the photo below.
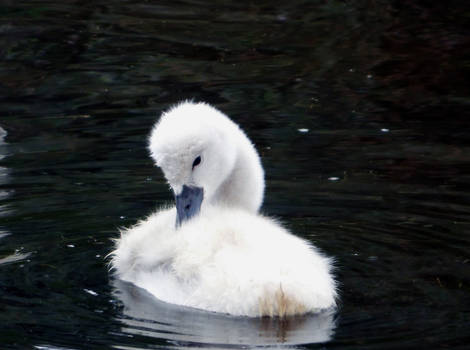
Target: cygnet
(213, 250)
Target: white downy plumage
(226, 258)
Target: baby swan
(214, 251)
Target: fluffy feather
(229, 258)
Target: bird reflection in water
(145, 315)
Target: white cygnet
(213, 250)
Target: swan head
(199, 150)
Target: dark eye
(197, 161)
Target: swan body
(220, 254)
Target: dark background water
(379, 180)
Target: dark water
(358, 108)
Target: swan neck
(244, 186)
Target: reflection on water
(3, 170)
(14, 257)
(182, 327)
(4, 209)
(358, 108)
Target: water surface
(358, 109)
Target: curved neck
(244, 187)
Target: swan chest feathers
(214, 251)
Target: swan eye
(197, 161)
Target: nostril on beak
(188, 203)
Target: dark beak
(188, 203)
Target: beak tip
(188, 203)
